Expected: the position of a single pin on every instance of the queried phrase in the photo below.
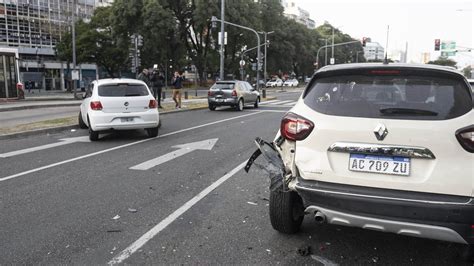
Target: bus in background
(10, 84)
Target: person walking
(157, 82)
(144, 77)
(177, 83)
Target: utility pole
(332, 52)
(326, 53)
(265, 58)
(385, 61)
(221, 73)
(74, 46)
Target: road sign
(332, 61)
(446, 54)
(242, 63)
(219, 38)
(183, 149)
(448, 46)
(75, 75)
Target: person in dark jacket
(177, 86)
(145, 77)
(157, 81)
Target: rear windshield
(123, 90)
(390, 97)
(223, 86)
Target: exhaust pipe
(319, 217)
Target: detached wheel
(256, 102)
(93, 135)
(240, 105)
(152, 132)
(286, 211)
(212, 107)
(81, 122)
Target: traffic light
(437, 44)
(364, 41)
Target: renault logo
(380, 131)
(125, 103)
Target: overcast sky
(417, 22)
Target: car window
(390, 97)
(223, 86)
(123, 90)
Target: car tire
(93, 135)
(256, 102)
(152, 132)
(240, 105)
(286, 211)
(81, 122)
(212, 107)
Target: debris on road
(269, 251)
(252, 203)
(304, 251)
(116, 217)
(132, 210)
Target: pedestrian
(144, 77)
(177, 83)
(157, 81)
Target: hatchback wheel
(212, 107)
(286, 211)
(93, 135)
(240, 105)
(152, 132)
(81, 122)
(256, 102)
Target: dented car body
(382, 147)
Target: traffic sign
(75, 75)
(242, 63)
(446, 54)
(448, 46)
(332, 61)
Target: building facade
(34, 27)
(298, 14)
(373, 51)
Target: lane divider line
(140, 242)
(122, 146)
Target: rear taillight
(96, 105)
(210, 93)
(234, 93)
(295, 127)
(465, 137)
(152, 104)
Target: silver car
(232, 93)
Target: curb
(62, 128)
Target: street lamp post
(357, 56)
(325, 50)
(337, 44)
(74, 46)
(221, 72)
(242, 57)
(214, 19)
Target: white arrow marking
(183, 149)
(47, 146)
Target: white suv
(382, 147)
(119, 104)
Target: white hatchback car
(274, 83)
(119, 104)
(386, 147)
(291, 83)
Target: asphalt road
(80, 203)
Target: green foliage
(467, 72)
(442, 61)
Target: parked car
(291, 83)
(233, 93)
(274, 83)
(119, 104)
(382, 147)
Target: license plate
(126, 119)
(219, 100)
(379, 164)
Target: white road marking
(323, 261)
(46, 146)
(207, 144)
(121, 146)
(126, 253)
(282, 102)
(290, 104)
(267, 102)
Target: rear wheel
(286, 211)
(240, 105)
(93, 135)
(256, 102)
(212, 107)
(152, 132)
(81, 122)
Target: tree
(443, 61)
(467, 72)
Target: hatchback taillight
(234, 93)
(465, 137)
(209, 93)
(295, 127)
(152, 104)
(96, 105)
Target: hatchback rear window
(390, 97)
(123, 90)
(223, 86)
